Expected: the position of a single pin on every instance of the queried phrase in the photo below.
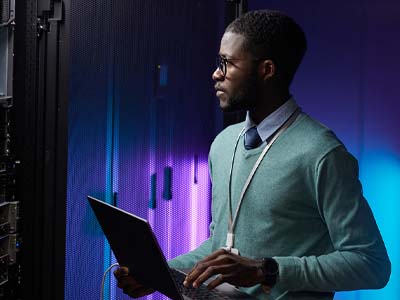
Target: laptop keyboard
(201, 293)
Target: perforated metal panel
(141, 102)
(4, 10)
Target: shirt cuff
(289, 270)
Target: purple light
(199, 204)
(180, 224)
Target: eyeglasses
(222, 62)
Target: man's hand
(231, 268)
(129, 285)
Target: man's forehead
(232, 45)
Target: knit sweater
(304, 207)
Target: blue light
(380, 175)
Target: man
(288, 215)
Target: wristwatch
(270, 270)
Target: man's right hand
(129, 285)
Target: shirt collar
(273, 121)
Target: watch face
(270, 266)
(270, 270)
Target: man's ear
(267, 69)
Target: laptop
(135, 246)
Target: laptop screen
(135, 246)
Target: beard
(244, 97)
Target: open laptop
(135, 246)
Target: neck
(267, 104)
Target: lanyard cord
(230, 182)
(232, 222)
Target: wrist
(259, 272)
(269, 271)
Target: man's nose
(218, 75)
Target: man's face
(238, 88)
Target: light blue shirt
(273, 121)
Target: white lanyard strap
(232, 223)
(230, 181)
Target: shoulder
(226, 139)
(309, 136)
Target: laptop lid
(135, 246)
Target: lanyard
(230, 238)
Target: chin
(232, 105)
(225, 106)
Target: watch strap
(270, 269)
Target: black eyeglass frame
(222, 62)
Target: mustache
(218, 88)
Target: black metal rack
(10, 262)
(37, 146)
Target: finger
(128, 282)
(199, 269)
(138, 292)
(212, 259)
(211, 271)
(266, 289)
(216, 282)
(121, 271)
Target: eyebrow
(229, 58)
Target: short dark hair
(274, 35)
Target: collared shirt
(273, 121)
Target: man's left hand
(231, 268)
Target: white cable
(104, 278)
(282, 295)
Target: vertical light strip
(199, 205)
(109, 174)
(193, 207)
(115, 174)
(109, 154)
(169, 229)
(152, 153)
(151, 213)
(168, 203)
(204, 201)
(169, 216)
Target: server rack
(10, 262)
(38, 147)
